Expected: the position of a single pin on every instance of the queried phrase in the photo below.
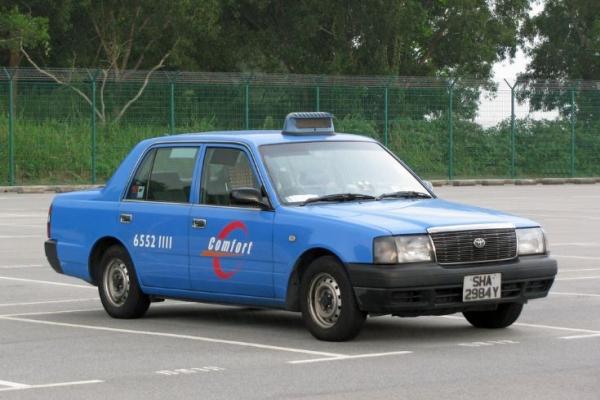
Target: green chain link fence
(75, 126)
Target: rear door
(231, 249)
(154, 216)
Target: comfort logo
(220, 246)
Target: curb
(26, 189)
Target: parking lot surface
(56, 341)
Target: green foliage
(20, 30)
(55, 151)
(564, 46)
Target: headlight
(402, 249)
(531, 241)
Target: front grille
(457, 247)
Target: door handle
(198, 223)
(125, 218)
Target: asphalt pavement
(56, 341)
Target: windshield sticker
(295, 198)
(225, 245)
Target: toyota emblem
(479, 243)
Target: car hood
(400, 216)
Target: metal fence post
(318, 98)
(450, 131)
(385, 116)
(573, 139)
(11, 128)
(513, 138)
(247, 106)
(93, 77)
(172, 107)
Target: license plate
(482, 287)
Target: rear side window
(168, 177)
(139, 186)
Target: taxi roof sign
(308, 123)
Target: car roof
(256, 137)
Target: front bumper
(52, 255)
(432, 289)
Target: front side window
(165, 175)
(225, 169)
(306, 170)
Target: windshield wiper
(338, 197)
(404, 194)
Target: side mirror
(248, 197)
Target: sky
(494, 110)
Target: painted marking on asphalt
(188, 371)
(538, 326)
(581, 336)
(7, 278)
(577, 244)
(353, 357)
(50, 312)
(562, 270)
(13, 384)
(176, 336)
(21, 266)
(21, 386)
(576, 294)
(579, 278)
(577, 257)
(41, 235)
(33, 303)
(488, 343)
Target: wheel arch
(292, 299)
(95, 257)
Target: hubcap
(325, 300)
(116, 282)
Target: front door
(155, 216)
(231, 249)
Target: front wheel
(327, 302)
(505, 315)
(119, 291)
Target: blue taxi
(304, 219)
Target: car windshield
(337, 171)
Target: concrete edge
(436, 183)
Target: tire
(119, 290)
(505, 315)
(336, 317)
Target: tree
(563, 42)
(20, 30)
(121, 38)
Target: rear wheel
(329, 309)
(119, 290)
(505, 315)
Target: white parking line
(367, 355)
(49, 312)
(578, 278)
(576, 294)
(581, 336)
(578, 270)
(21, 386)
(13, 384)
(33, 303)
(22, 266)
(539, 326)
(577, 257)
(7, 278)
(177, 336)
(578, 244)
(41, 235)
